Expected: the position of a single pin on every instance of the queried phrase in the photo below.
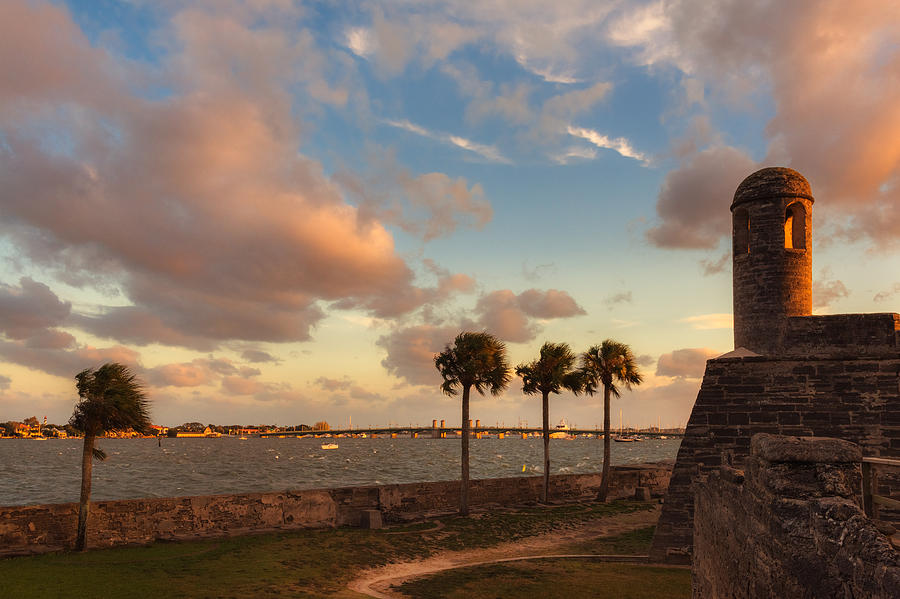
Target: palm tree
(551, 373)
(609, 363)
(474, 360)
(112, 399)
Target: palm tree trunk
(84, 505)
(546, 410)
(464, 478)
(604, 481)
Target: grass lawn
(305, 563)
(554, 579)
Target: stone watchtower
(832, 375)
(772, 257)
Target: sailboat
(622, 438)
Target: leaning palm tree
(551, 373)
(474, 360)
(608, 364)
(111, 399)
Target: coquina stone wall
(853, 399)
(791, 373)
(43, 528)
(789, 525)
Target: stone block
(370, 519)
(780, 448)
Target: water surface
(33, 472)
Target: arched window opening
(741, 232)
(795, 227)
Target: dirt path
(377, 582)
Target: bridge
(428, 432)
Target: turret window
(795, 227)
(741, 232)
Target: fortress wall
(853, 399)
(847, 334)
(788, 525)
(42, 528)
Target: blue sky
(278, 211)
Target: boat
(562, 431)
(624, 439)
(329, 445)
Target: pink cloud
(411, 351)
(196, 205)
(694, 200)
(830, 70)
(685, 363)
(510, 316)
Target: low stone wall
(789, 526)
(42, 528)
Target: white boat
(329, 445)
(624, 439)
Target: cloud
(51, 339)
(825, 293)
(644, 360)
(714, 267)
(709, 321)
(510, 316)
(66, 362)
(257, 356)
(411, 351)
(695, 199)
(359, 41)
(574, 152)
(619, 144)
(534, 274)
(5, 382)
(345, 389)
(255, 235)
(29, 309)
(330, 384)
(839, 71)
(489, 153)
(685, 363)
(430, 205)
(622, 297)
(260, 391)
(200, 371)
(883, 296)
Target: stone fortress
(791, 373)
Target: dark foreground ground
(322, 563)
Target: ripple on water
(50, 472)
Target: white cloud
(574, 153)
(487, 152)
(359, 41)
(618, 144)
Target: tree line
(478, 360)
(111, 398)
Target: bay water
(35, 472)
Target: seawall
(35, 529)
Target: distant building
(321, 426)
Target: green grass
(563, 579)
(306, 563)
(554, 579)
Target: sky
(278, 211)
